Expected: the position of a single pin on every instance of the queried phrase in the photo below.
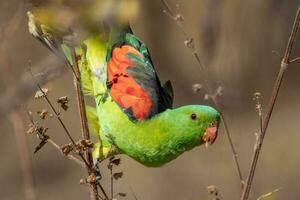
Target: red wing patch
(124, 89)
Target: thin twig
(56, 146)
(81, 105)
(295, 59)
(88, 166)
(84, 123)
(269, 194)
(98, 195)
(284, 65)
(62, 123)
(83, 120)
(111, 183)
(233, 151)
(190, 44)
(69, 156)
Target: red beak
(210, 134)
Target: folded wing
(133, 82)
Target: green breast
(151, 142)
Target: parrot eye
(193, 116)
(212, 124)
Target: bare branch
(61, 122)
(269, 194)
(295, 59)
(284, 65)
(71, 157)
(189, 42)
(84, 124)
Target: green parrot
(133, 112)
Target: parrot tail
(57, 42)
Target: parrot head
(197, 124)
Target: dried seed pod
(189, 43)
(63, 101)
(32, 128)
(116, 161)
(206, 97)
(212, 189)
(83, 145)
(41, 133)
(87, 143)
(257, 95)
(258, 106)
(179, 17)
(82, 182)
(42, 143)
(42, 114)
(91, 179)
(40, 94)
(118, 175)
(219, 91)
(122, 194)
(66, 149)
(197, 87)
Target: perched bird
(133, 112)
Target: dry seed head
(118, 175)
(197, 87)
(40, 94)
(258, 107)
(91, 179)
(42, 114)
(257, 95)
(257, 98)
(189, 43)
(212, 189)
(219, 91)
(122, 194)
(63, 101)
(86, 143)
(116, 161)
(179, 17)
(82, 182)
(83, 145)
(41, 132)
(207, 97)
(32, 128)
(66, 149)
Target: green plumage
(153, 141)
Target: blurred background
(235, 40)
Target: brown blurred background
(235, 39)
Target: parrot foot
(102, 153)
